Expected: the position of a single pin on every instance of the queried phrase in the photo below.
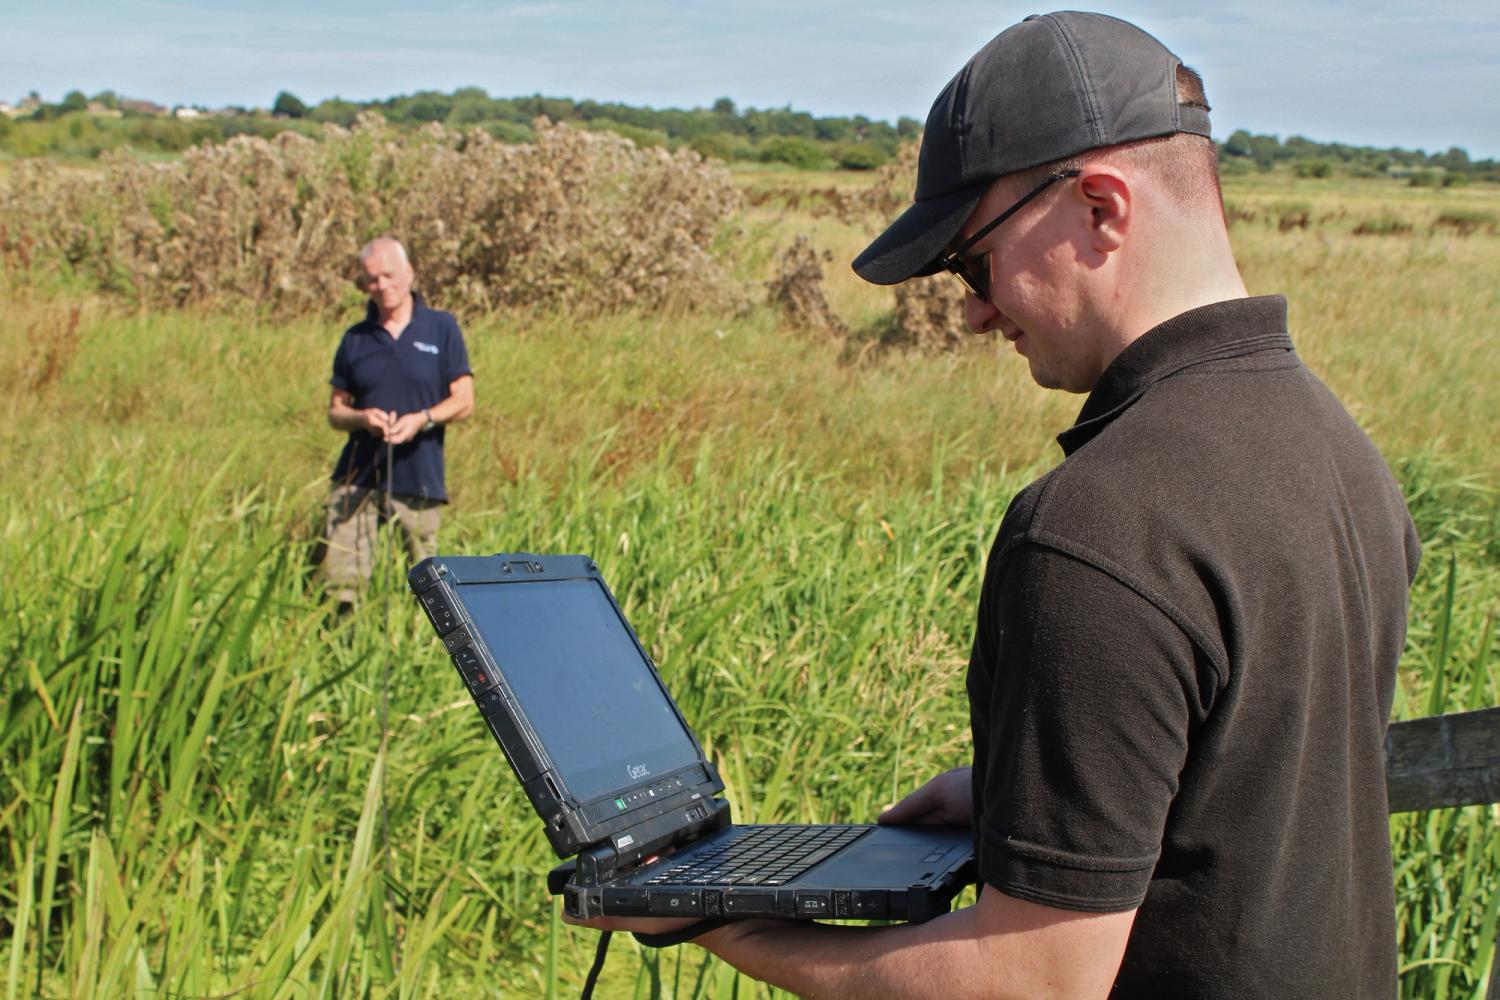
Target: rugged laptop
(620, 781)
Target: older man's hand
(403, 429)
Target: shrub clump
(797, 289)
(930, 316)
(1464, 221)
(585, 219)
(1386, 224)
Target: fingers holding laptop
(946, 800)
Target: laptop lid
(598, 744)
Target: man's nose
(978, 313)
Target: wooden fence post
(1442, 761)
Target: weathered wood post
(1442, 761)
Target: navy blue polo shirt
(407, 374)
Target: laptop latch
(597, 866)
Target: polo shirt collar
(1215, 332)
(372, 315)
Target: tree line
(80, 127)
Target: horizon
(1390, 79)
(739, 108)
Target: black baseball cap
(1051, 87)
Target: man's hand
(403, 429)
(377, 422)
(947, 800)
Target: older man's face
(387, 277)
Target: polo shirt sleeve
(343, 371)
(1081, 731)
(455, 356)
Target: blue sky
(1377, 73)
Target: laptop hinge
(601, 864)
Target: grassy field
(211, 787)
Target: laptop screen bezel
(572, 821)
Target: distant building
(9, 110)
(181, 112)
(95, 108)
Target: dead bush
(581, 218)
(797, 289)
(930, 316)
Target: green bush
(862, 156)
(713, 146)
(800, 153)
(1313, 168)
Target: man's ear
(1110, 201)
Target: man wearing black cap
(1188, 632)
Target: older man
(399, 377)
(1188, 631)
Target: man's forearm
(1013, 950)
(459, 404)
(941, 958)
(343, 417)
(450, 410)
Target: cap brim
(912, 244)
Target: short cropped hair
(369, 248)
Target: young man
(399, 377)
(1188, 632)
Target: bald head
(384, 244)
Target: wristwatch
(430, 422)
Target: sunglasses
(974, 271)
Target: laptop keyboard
(759, 855)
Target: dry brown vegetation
(581, 218)
(797, 289)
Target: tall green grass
(192, 747)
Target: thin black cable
(385, 683)
(593, 977)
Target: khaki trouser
(354, 514)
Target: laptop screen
(579, 677)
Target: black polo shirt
(408, 373)
(1184, 665)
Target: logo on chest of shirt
(428, 348)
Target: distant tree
(1266, 150)
(427, 108)
(724, 106)
(336, 111)
(1455, 159)
(106, 99)
(73, 101)
(289, 104)
(1239, 144)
